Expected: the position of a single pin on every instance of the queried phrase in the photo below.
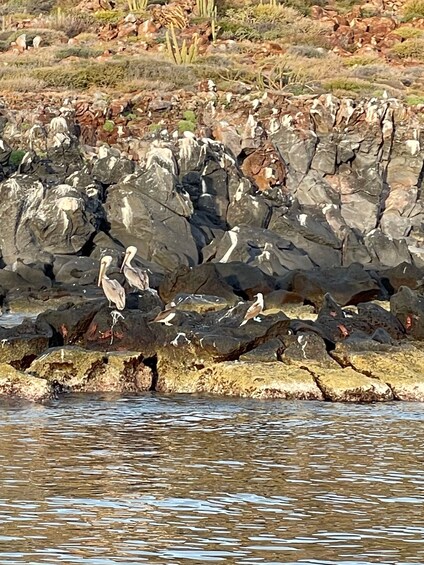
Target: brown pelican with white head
(113, 290)
(255, 309)
(137, 278)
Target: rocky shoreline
(319, 209)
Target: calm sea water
(178, 479)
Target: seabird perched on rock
(137, 278)
(255, 309)
(166, 315)
(113, 290)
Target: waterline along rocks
(313, 202)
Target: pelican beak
(124, 262)
(101, 273)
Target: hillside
(235, 48)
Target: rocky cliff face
(290, 184)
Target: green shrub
(190, 116)
(108, 16)
(185, 125)
(408, 32)
(80, 51)
(360, 60)
(346, 84)
(109, 126)
(415, 99)
(16, 157)
(271, 23)
(410, 49)
(83, 76)
(413, 9)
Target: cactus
(183, 55)
(137, 5)
(214, 27)
(206, 8)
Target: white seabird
(255, 309)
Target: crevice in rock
(349, 365)
(24, 363)
(152, 363)
(420, 183)
(385, 165)
(316, 380)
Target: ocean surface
(106, 480)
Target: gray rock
(262, 248)
(149, 212)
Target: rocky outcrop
(255, 380)
(73, 369)
(350, 194)
(16, 384)
(336, 232)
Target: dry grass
(22, 83)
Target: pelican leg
(110, 304)
(257, 319)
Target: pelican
(255, 309)
(166, 315)
(137, 278)
(113, 290)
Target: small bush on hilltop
(271, 23)
(80, 51)
(410, 49)
(413, 9)
(407, 32)
(71, 24)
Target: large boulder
(77, 370)
(148, 210)
(203, 279)
(21, 344)
(400, 367)
(262, 248)
(16, 384)
(347, 285)
(408, 307)
(253, 380)
(36, 221)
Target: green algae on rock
(252, 380)
(16, 384)
(78, 370)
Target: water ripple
(107, 480)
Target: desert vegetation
(292, 46)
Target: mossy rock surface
(79, 370)
(21, 349)
(401, 368)
(254, 380)
(17, 384)
(347, 385)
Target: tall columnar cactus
(206, 8)
(137, 5)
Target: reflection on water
(156, 479)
